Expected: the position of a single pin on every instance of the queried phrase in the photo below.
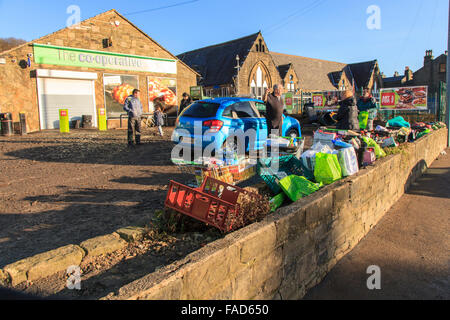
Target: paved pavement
(411, 245)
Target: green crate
(288, 165)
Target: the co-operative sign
(63, 56)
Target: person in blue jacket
(133, 107)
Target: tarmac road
(411, 245)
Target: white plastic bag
(348, 161)
(308, 159)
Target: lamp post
(238, 67)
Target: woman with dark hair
(348, 112)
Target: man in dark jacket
(274, 109)
(348, 112)
(187, 101)
(133, 107)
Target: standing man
(369, 104)
(133, 107)
(185, 102)
(274, 109)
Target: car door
(250, 119)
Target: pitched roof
(283, 70)
(336, 77)
(362, 72)
(313, 74)
(99, 15)
(217, 63)
(393, 79)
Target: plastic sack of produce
(368, 157)
(296, 187)
(308, 158)
(327, 169)
(379, 152)
(398, 122)
(277, 202)
(308, 162)
(373, 113)
(341, 144)
(363, 119)
(423, 133)
(348, 161)
(381, 129)
(389, 143)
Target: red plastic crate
(213, 203)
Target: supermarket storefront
(76, 90)
(77, 70)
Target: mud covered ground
(63, 189)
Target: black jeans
(134, 129)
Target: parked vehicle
(210, 124)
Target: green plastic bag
(327, 169)
(423, 133)
(296, 187)
(379, 152)
(363, 119)
(277, 202)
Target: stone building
(432, 74)
(88, 67)
(259, 68)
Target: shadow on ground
(89, 213)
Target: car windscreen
(201, 110)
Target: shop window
(117, 88)
(163, 92)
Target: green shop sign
(64, 56)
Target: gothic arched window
(259, 81)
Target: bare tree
(8, 43)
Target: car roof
(229, 100)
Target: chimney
(408, 74)
(428, 57)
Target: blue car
(213, 124)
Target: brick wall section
(18, 86)
(292, 250)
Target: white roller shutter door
(78, 96)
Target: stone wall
(18, 84)
(292, 250)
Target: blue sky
(323, 29)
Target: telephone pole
(447, 114)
